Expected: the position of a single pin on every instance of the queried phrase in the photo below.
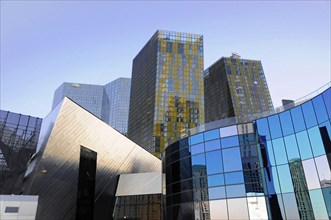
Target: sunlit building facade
(166, 89)
(274, 167)
(235, 87)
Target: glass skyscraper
(166, 90)
(235, 87)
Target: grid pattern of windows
(276, 167)
(167, 90)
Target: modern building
(235, 87)
(18, 141)
(18, 207)
(77, 164)
(274, 167)
(110, 102)
(118, 92)
(166, 89)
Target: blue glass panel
(274, 126)
(184, 143)
(211, 135)
(309, 114)
(230, 142)
(320, 109)
(214, 162)
(291, 147)
(297, 118)
(216, 192)
(213, 145)
(263, 128)
(234, 178)
(216, 180)
(327, 194)
(270, 152)
(290, 205)
(279, 151)
(198, 160)
(285, 179)
(198, 138)
(235, 191)
(316, 141)
(196, 149)
(327, 100)
(274, 187)
(304, 145)
(232, 159)
(317, 201)
(286, 122)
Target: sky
(46, 43)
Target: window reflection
(263, 128)
(317, 201)
(274, 125)
(214, 162)
(230, 142)
(291, 147)
(238, 204)
(211, 135)
(196, 149)
(232, 159)
(234, 178)
(286, 122)
(216, 192)
(316, 141)
(279, 151)
(327, 100)
(308, 112)
(311, 174)
(235, 191)
(212, 145)
(285, 178)
(216, 180)
(218, 209)
(323, 169)
(198, 138)
(320, 109)
(257, 208)
(290, 205)
(304, 145)
(298, 121)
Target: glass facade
(277, 167)
(235, 87)
(167, 90)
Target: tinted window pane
(263, 128)
(316, 141)
(274, 185)
(290, 205)
(232, 159)
(216, 180)
(235, 191)
(234, 178)
(32, 122)
(320, 109)
(230, 142)
(198, 160)
(291, 147)
(257, 208)
(286, 122)
(304, 145)
(24, 120)
(211, 135)
(285, 179)
(323, 170)
(279, 151)
(198, 138)
(13, 118)
(218, 209)
(213, 145)
(309, 114)
(311, 174)
(317, 201)
(216, 192)
(274, 126)
(214, 162)
(297, 118)
(228, 131)
(237, 204)
(327, 192)
(196, 149)
(325, 129)
(270, 152)
(327, 100)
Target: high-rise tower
(235, 87)
(166, 89)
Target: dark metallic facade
(18, 141)
(166, 90)
(235, 87)
(76, 167)
(277, 167)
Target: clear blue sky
(45, 43)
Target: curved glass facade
(277, 167)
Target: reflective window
(325, 129)
(198, 160)
(235, 191)
(238, 204)
(298, 121)
(291, 147)
(317, 201)
(320, 109)
(230, 142)
(211, 135)
(216, 180)
(234, 178)
(308, 112)
(290, 205)
(214, 162)
(304, 145)
(285, 179)
(194, 139)
(216, 192)
(327, 192)
(273, 186)
(263, 128)
(286, 122)
(257, 208)
(232, 159)
(316, 141)
(311, 174)
(270, 152)
(323, 170)
(228, 131)
(213, 145)
(196, 149)
(327, 100)
(275, 128)
(279, 151)
(218, 209)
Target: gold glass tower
(167, 95)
